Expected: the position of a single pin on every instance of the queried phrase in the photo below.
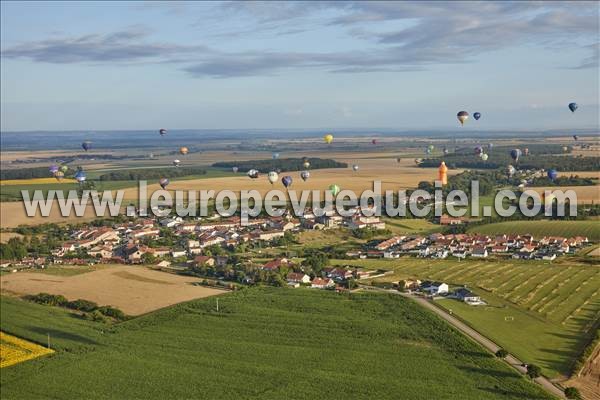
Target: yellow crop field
(34, 181)
(14, 350)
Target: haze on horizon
(298, 65)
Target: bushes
(90, 309)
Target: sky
(298, 65)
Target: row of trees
(82, 305)
(283, 164)
(151, 173)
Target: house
(386, 244)
(178, 253)
(500, 249)
(298, 277)
(464, 294)
(339, 274)
(433, 288)
(322, 283)
(275, 264)
(409, 284)
(448, 220)
(204, 261)
(479, 252)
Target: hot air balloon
(510, 170)
(374, 141)
(430, 148)
(176, 162)
(565, 149)
(273, 177)
(484, 157)
(235, 169)
(490, 145)
(477, 115)
(287, 181)
(552, 174)
(328, 138)
(80, 176)
(462, 116)
(163, 182)
(86, 145)
(64, 168)
(304, 175)
(526, 151)
(521, 187)
(515, 154)
(443, 173)
(355, 167)
(427, 150)
(275, 156)
(573, 107)
(53, 169)
(445, 151)
(334, 189)
(151, 155)
(306, 164)
(162, 132)
(418, 161)
(478, 150)
(59, 175)
(183, 150)
(398, 160)
(253, 174)
(575, 137)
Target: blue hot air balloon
(573, 107)
(552, 174)
(80, 176)
(86, 145)
(575, 137)
(287, 181)
(515, 154)
(477, 115)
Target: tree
(572, 393)
(317, 261)
(148, 258)
(533, 371)
(501, 353)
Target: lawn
(591, 229)
(555, 304)
(264, 343)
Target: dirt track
(134, 290)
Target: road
(476, 336)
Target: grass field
(591, 229)
(14, 350)
(263, 343)
(553, 306)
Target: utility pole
(48, 340)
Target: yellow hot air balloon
(328, 138)
(183, 150)
(443, 173)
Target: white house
(467, 296)
(433, 288)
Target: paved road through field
(473, 334)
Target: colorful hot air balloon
(334, 189)
(328, 138)
(80, 176)
(306, 165)
(477, 115)
(575, 137)
(64, 168)
(573, 107)
(552, 174)
(163, 182)
(287, 181)
(478, 150)
(235, 169)
(443, 173)
(275, 156)
(304, 175)
(86, 145)
(484, 157)
(515, 154)
(273, 177)
(462, 116)
(176, 162)
(162, 132)
(526, 151)
(374, 141)
(253, 173)
(53, 169)
(59, 175)
(355, 167)
(183, 150)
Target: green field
(553, 306)
(410, 226)
(591, 229)
(264, 343)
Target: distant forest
(154, 173)
(283, 164)
(540, 157)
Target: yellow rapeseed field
(14, 350)
(35, 181)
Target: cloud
(400, 36)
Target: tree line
(282, 164)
